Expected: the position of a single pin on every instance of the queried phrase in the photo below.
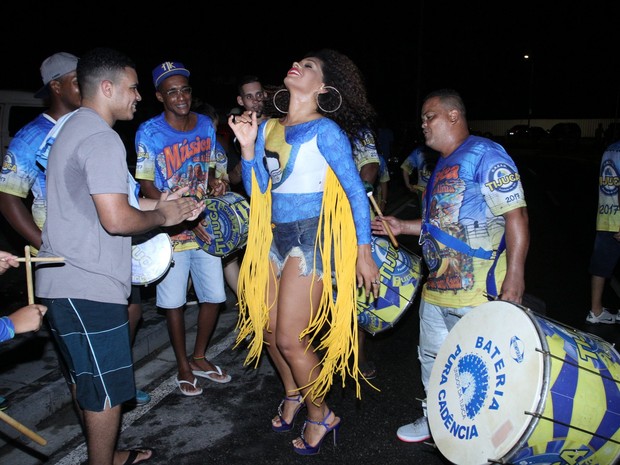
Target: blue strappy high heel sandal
(284, 426)
(312, 450)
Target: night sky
(475, 47)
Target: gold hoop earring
(318, 104)
(274, 100)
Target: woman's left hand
(368, 275)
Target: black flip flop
(133, 454)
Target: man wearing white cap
(20, 173)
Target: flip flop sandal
(133, 455)
(209, 375)
(180, 382)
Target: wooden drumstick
(28, 260)
(38, 259)
(22, 429)
(29, 275)
(385, 223)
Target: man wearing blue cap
(174, 150)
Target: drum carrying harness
(457, 244)
(44, 149)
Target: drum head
(487, 373)
(150, 259)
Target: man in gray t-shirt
(89, 223)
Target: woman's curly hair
(339, 71)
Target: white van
(17, 108)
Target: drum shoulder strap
(449, 240)
(457, 244)
(460, 246)
(43, 151)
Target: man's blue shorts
(605, 255)
(207, 278)
(93, 338)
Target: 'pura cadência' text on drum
(492, 350)
(457, 430)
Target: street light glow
(530, 90)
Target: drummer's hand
(245, 128)
(179, 193)
(197, 211)
(217, 187)
(377, 226)
(7, 260)
(411, 227)
(178, 210)
(201, 232)
(368, 275)
(512, 290)
(28, 318)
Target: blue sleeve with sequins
(336, 149)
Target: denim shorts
(207, 279)
(605, 255)
(93, 338)
(297, 239)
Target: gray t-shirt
(88, 157)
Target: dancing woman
(309, 227)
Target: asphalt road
(230, 423)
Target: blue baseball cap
(167, 69)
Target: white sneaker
(417, 431)
(605, 317)
(618, 317)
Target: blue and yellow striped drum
(400, 275)
(225, 220)
(511, 386)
